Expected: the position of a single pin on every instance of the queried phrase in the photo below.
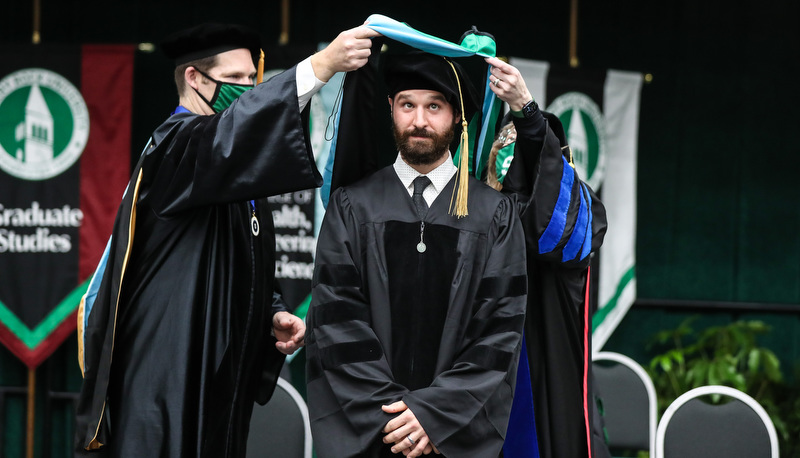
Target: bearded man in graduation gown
(564, 223)
(174, 333)
(416, 314)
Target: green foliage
(726, 355)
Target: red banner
(65, 128)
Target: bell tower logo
(585, 128)
(44, 124)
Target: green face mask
(225, 93)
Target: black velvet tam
(419, 70)
(209, 39)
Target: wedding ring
(410, 440)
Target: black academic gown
(564, 223)
(439, 330)
(178, 339)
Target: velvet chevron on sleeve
(564, 220)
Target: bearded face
(419, 146)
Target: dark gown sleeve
(345, 398)
(256, 148)
(465, 410)
(565, 223)
(564, 219)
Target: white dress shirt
(439, 177)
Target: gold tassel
(260, 73)
(461, 191)
(463, 176)
(569, 152)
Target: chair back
(282, 427)
(692, 427)
(629, 402)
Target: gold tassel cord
(569, 153)
(461, 209)
(260, 73)
(461, 191)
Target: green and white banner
(600, 114)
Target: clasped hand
(406, 433)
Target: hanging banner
(65, 122)
(295, 244)
(600, 114)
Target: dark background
(718, 201)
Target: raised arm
(564, 219)
(349, 51)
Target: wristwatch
(529, 109)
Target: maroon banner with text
(65, 135)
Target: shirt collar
(181, 109)
(439, 176)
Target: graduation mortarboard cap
(421, 70)
(209, 39)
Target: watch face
(529, 109)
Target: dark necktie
(420, 183)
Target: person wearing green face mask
(187, 309)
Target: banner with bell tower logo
(65, 122)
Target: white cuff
(307, 82)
